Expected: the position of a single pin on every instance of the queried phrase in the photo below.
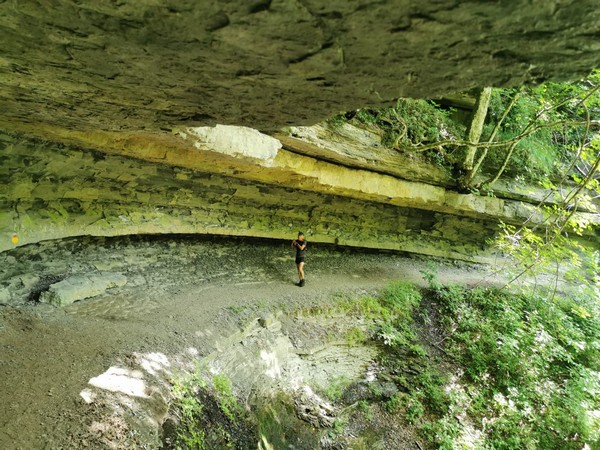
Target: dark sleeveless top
(301, 253)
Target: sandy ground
(178, 287)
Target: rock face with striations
(267, 63)
(108, 107)
(337, 194)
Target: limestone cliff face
(103, 104)
(145, 64)
(233, 181)
(54, 191)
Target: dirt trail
(177, 288)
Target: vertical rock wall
(53, 191)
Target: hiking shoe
(301, 283)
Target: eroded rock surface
(80, 287)
(262, 63)
(63, 192)
(53, 191)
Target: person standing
(300, 246)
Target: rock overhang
(148, 80)
(147, 65)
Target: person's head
(300, 236)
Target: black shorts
(299, 260)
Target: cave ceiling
(157, 64)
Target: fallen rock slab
(79, 287)
(4, 296)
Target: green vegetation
(529, 367)
(539, 134)
(508, 371)
(410, 122)
(209, 415)
(339, 426)
(526, 372)
(356, 336)
(365, 408)
(227, 401)
(556, 254)
(470, 368)
(335, 388)
(190, 409)
(391, 312)
(279, 428)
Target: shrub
(532, 361)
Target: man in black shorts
(300, 246)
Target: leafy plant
(396, 402)
(336, 387)
(227, 401)
(430, 274)
(364, 407)
(356, 336)
(414, 410)
(339, 426)
(337, 121)
(190, 410)
(209, 414)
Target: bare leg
(301, 270)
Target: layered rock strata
(54, 191)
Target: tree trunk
(474, 132)
(469, 180)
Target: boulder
(79, 287)
(4, 296)
(234, 141)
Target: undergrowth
(409, 122)
(501, 370)
(537, 134)
(511, 371)
(530, 366)
(209, 415)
